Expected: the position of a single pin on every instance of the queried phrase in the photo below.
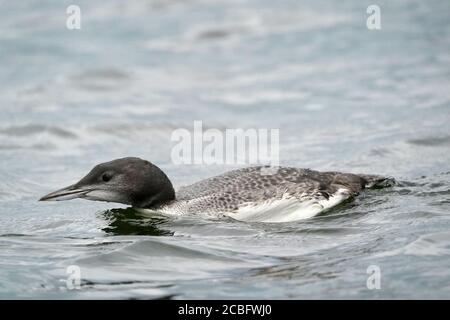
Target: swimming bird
(250, 194)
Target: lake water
(344, 98)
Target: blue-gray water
(344, 98)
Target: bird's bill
(67, 193)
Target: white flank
(287, 208)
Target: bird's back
(268, 194)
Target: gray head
(130, 181)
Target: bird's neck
(158, 192)
(163, 197)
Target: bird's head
(130, 181)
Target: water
(344, 98)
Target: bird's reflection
(130, 222)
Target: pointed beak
(70, 192)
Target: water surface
(344, 98)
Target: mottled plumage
(307, 192)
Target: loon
(248, 194)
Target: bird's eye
(106, 177)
